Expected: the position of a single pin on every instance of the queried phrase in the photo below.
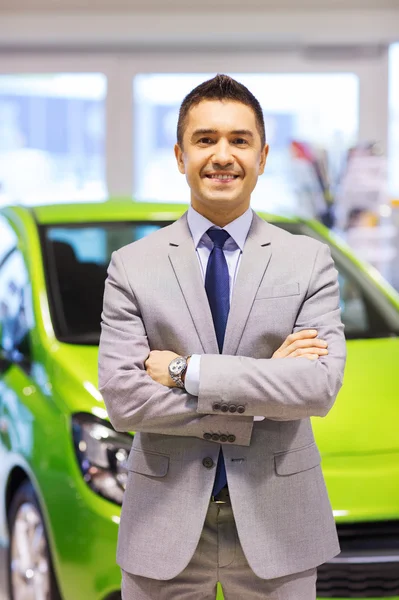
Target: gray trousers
(219, 557)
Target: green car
(63, 467)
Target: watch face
(177, 365)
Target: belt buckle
(213, 499)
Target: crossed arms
(301, 380)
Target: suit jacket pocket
(295, 461)
(148, 463)
(277, 291)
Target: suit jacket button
(216, 406)
(207, 436)
(223, 438)
(208, 462)
(241, 409)
(224, 408)
(231, 438)
(216, 437)
(232, 408)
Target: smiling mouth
(222, 178)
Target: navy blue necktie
(218, 292)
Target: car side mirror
(5, 362)
(22, 349)
(21, 354)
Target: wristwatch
(177, 368)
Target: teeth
(222, 176)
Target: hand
(157, 365)
(302, 344)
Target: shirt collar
(238, 229)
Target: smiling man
(221, 337)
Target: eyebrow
(214, 131)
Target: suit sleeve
(286, 388)
(134, 401)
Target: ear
(263, 158)
(179, 159)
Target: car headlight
(102, 454)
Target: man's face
(222, 156)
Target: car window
(15, 306)
(354, 312)
(76, 259)
(363, 306)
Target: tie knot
(218, 237)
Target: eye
(240, 141)
(205, 140)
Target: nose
(222, 154)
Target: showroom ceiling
(191, 5)
(199, 24)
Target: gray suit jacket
(155, 299)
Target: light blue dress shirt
(238, 230)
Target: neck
(219, 217)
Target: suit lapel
(186, 267)
(254, 261)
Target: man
(221, 336)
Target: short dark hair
(220, 87)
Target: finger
(318, 343)
(294, 340)
(310, 356)
(315, 343)
(318, 351)
(305, 351)
(299, 344)
(299, 335)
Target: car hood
(365, 416)
(363, 420)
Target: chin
(222, 202)
(221, 196)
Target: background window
(318, 108)
(393, 166)
(52, 137)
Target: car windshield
(366, 311)
(76, 258)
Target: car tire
(30, 569)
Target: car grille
(363, 569)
